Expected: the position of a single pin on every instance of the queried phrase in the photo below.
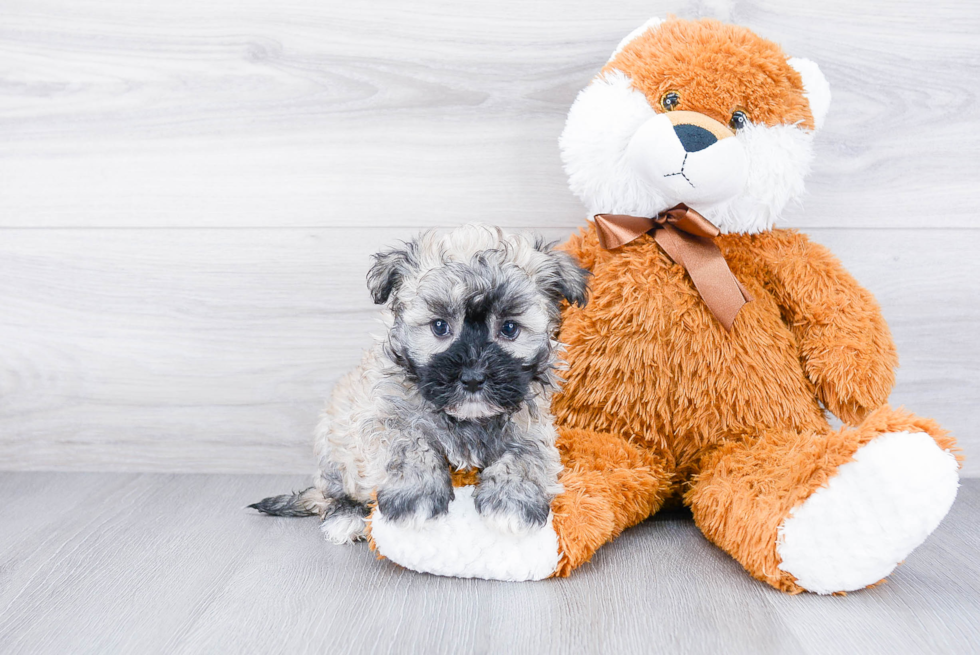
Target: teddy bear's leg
(609, 485)
(832, 511)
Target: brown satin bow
(687, 238)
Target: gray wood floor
(145, 563)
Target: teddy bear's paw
(460, 543)
(877, 509)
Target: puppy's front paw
(515, 506)
(414, 503)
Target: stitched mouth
(681, 172)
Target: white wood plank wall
(189, 192)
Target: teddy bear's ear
(816, 89)
(651, 24)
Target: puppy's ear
(562, 277)
(389, 269)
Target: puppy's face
(474, 315)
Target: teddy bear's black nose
(694, 138)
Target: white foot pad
(461, 544)
(871, 515)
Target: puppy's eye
(670, 100)
(739, 120)
(510, 330)
(440, 328)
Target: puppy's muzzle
(472, 379)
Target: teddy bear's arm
(845, 345)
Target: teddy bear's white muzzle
(685, 163)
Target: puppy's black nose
(472, 380)
(694, 138)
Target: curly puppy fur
(462, 380)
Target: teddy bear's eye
(739, 120)
(670, 100)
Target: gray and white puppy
(463, 379)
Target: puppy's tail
(309, 502)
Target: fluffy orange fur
(716, 68)
(660, 401)
(610, 485)
(746, 490)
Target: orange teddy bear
(700, 369)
